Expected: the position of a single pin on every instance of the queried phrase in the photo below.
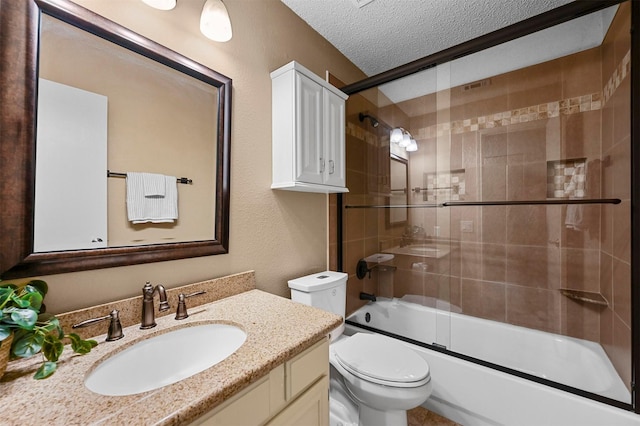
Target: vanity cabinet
(308, 133)
(293, 393)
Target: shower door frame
(539, 22)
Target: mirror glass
(399, 191)
(152, 119)
(85, 102)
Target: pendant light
(161, 4)
(214, 21)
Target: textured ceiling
(385, 34)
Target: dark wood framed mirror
(20, 25)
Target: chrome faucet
(148, 312)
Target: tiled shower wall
(506, 136)
(615, 237)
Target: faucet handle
(115, 328)
(181, 312)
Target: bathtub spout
(367, 296)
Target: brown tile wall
(615, 248)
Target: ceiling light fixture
(214, 21)
(161, 4)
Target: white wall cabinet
(293, 393)
(308, 132)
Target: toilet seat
(383, 361)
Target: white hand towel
(574, 217)
(154, 185)
(141, 209)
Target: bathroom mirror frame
(20, 28)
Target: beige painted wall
(280, 235)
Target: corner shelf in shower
(492, 203)
(585, 296)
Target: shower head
(372, 119)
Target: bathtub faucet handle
(362, 269)
(367, 296)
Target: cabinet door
(310, 163)
(334, 138)
(310, 409)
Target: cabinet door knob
(332, 167)
(321, 165)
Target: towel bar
(124, 175)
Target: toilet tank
(325, 290)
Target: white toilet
(382, 377)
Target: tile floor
(422, 417)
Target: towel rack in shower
(184, 180)
(491, 203)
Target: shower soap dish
(379, 258)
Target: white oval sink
(165, 359)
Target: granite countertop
(277, 330)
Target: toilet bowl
(382, 377)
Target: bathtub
(472, 394)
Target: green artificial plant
(23, 314)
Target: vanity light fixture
(396, 135)
(214, 21)
(406, 140)
(403, 139)
(161, 4)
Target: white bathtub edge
(471, 394)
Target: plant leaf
(5, 295)
(33, 297)
(5, 331)
(81, 346)
(50, 323)
(24, 318)
(52, 347)
(27, 343)
(20, 300)
(39, 285)
(46, 369)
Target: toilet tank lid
(319, 281)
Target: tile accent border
(568, 106)
(619, 74)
